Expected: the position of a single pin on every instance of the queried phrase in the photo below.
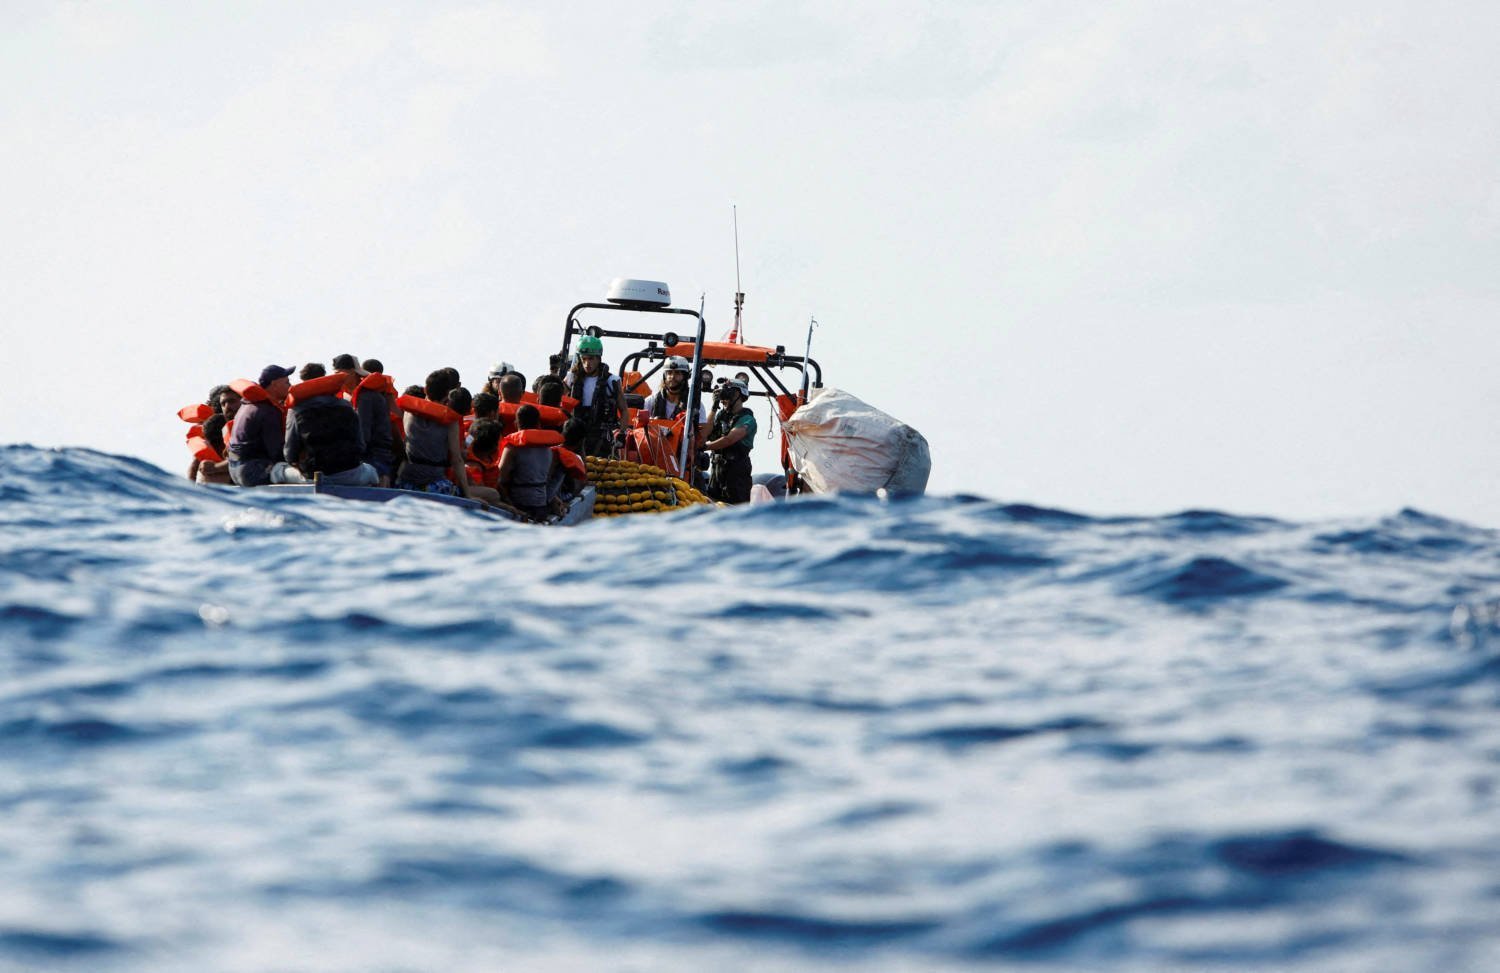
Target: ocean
(246, 732)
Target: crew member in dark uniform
(730, 439)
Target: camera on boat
(639, 294)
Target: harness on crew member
(721, 460)
(600, 416)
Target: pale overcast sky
(1121, 258)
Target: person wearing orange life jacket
(212, 467)
(374, 400)
(527, 463)
(257, 448)
(601, 397)
(434, 450)
(323, 435)
(483, 455)
(571, 474)
(485, 407)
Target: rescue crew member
(600, 395)
(257, 445)
(672, 399)
(731, 439)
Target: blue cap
(271, 373)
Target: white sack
(839, 443)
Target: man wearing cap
(256, 448)
(730, 441)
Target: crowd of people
(505, 445)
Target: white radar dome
(639, 293)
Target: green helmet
(589, 345)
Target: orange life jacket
(376, 382)
(482, 471)
(566, 403)
(658, 440)
(203, 451)
(532, 437)
(195, 413)
(552, 417)
(428, 409)
(380, 382)
(252, 392)
(314, 387)
(571, 462)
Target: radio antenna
(737, 336)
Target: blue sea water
(248, 732)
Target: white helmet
(501, 368)
(678, 364)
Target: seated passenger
(527, 463)
(484, 408)
(550, 396)
(434, 452)
(211, 470)
(512, 388)
(257, 445)
(570, 475)
(497, 371)
(483, 458)
(374, 400)
(323, 435)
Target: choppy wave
(242, 731)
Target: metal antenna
(738, 336)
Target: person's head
(486, 406)
(674, 378)
(512, 387)
(527, 417)
(460, 401)
(590, 354)
(440, 383)
(415, 391)
(373, 366)
(705, 381)
(215, 398)
(276, 380)
(452, 374)
(213, 431)
(500, 369)
(350, 365)
(486, 433)
(550, 392)
(229, 402)
(734, 393)
(312, 370)
(574, 431)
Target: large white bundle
(840, 443)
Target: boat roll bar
(668, 338)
